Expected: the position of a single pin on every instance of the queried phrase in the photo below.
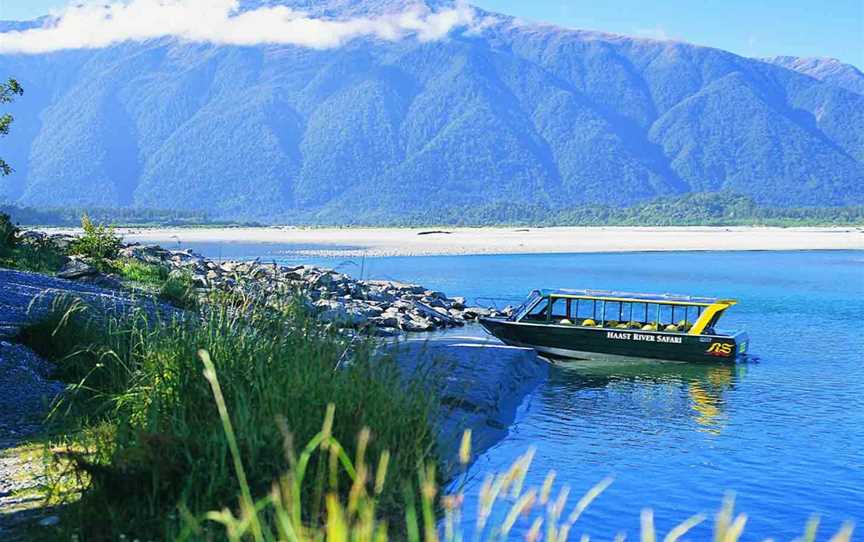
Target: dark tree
(8, 91)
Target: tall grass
(149, 442)
(141, 272)
(38, 255)
(161, 451)
(278, 516)
(179, 290)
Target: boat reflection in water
(667, 390)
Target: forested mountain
(497, 111)
(829, 70)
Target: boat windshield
(523, 309)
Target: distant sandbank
(514, 240)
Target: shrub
(503, 501)
(98, 242)
(145, 273)
(179, 290)
(37, 254)
(8, 232)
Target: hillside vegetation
(379, 131)
(705, 209)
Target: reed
(144, 442)
(277, 516)
(140, 272)
(158, 451)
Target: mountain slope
(375, 129)
(829, 70)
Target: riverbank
(460, 241)
(288, 344)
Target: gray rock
(386, 320)
(339, 314)
(367, 310)
(152, 254)
(415, 324)
(102, 280)
(482, 383)
(49, 521)
(387, 331)
(474, 312)
(75, 269)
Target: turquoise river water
(784, 433)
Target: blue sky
(831, 28)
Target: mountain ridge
(513, 112)
(829, 70)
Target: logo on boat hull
(721, 349)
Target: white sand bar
(405, 242)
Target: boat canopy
(634, 297)
(613, 309)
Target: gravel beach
(457, 241)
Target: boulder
(386, 320)
(474, 312)
(415, 324)
(103, 280)
(76, 268)
(481, 384)
(385, 331)
(340, 314)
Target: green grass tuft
(179, 290)
(167, 451)
(144, 273)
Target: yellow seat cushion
(649, 327)
(671, 327)
(589, 323)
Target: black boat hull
(577, 342)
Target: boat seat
(623, 326)
(611, 323)
(671, 327)
(632, 324)
(566, 322)
(684, 325)
(649, 327)
(588, 322)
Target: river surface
(784, 433)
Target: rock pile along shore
(386, 307)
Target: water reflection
(672, 391)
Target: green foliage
(8, 233)
(697, 209)
(179, 290)
(8, 91)
(36, 254)
(453, 124)
(278, 516)
(71, 216)
(137, 271)
(97, 242)
(277, 368)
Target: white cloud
(220, 22)
(656, 33)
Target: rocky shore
(482, 382)
(384, 307)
